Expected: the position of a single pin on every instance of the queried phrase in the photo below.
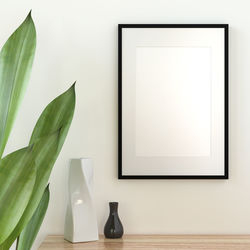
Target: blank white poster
(173, 101)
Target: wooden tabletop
(154, 242)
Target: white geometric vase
(80, 221)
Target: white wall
(77, 40)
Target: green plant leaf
(17, 179)
(57, 115)
(16, 58)
(28, 235)
(47, 140)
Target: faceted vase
(113, 227)
(80, 221)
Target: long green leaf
(57, 115)
(16, 58)
(17, 179)
(55, 120)
(28, 235)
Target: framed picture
(173, 101)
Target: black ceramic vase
(113, 228)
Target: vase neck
(113, 207)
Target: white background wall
(77, 40)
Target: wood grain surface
(154, 242)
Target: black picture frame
(226, 101)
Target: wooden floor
(155, 242)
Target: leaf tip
(47, 191)
(72, 88)
(29, 16)
(28, 22)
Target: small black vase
(113, 228)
